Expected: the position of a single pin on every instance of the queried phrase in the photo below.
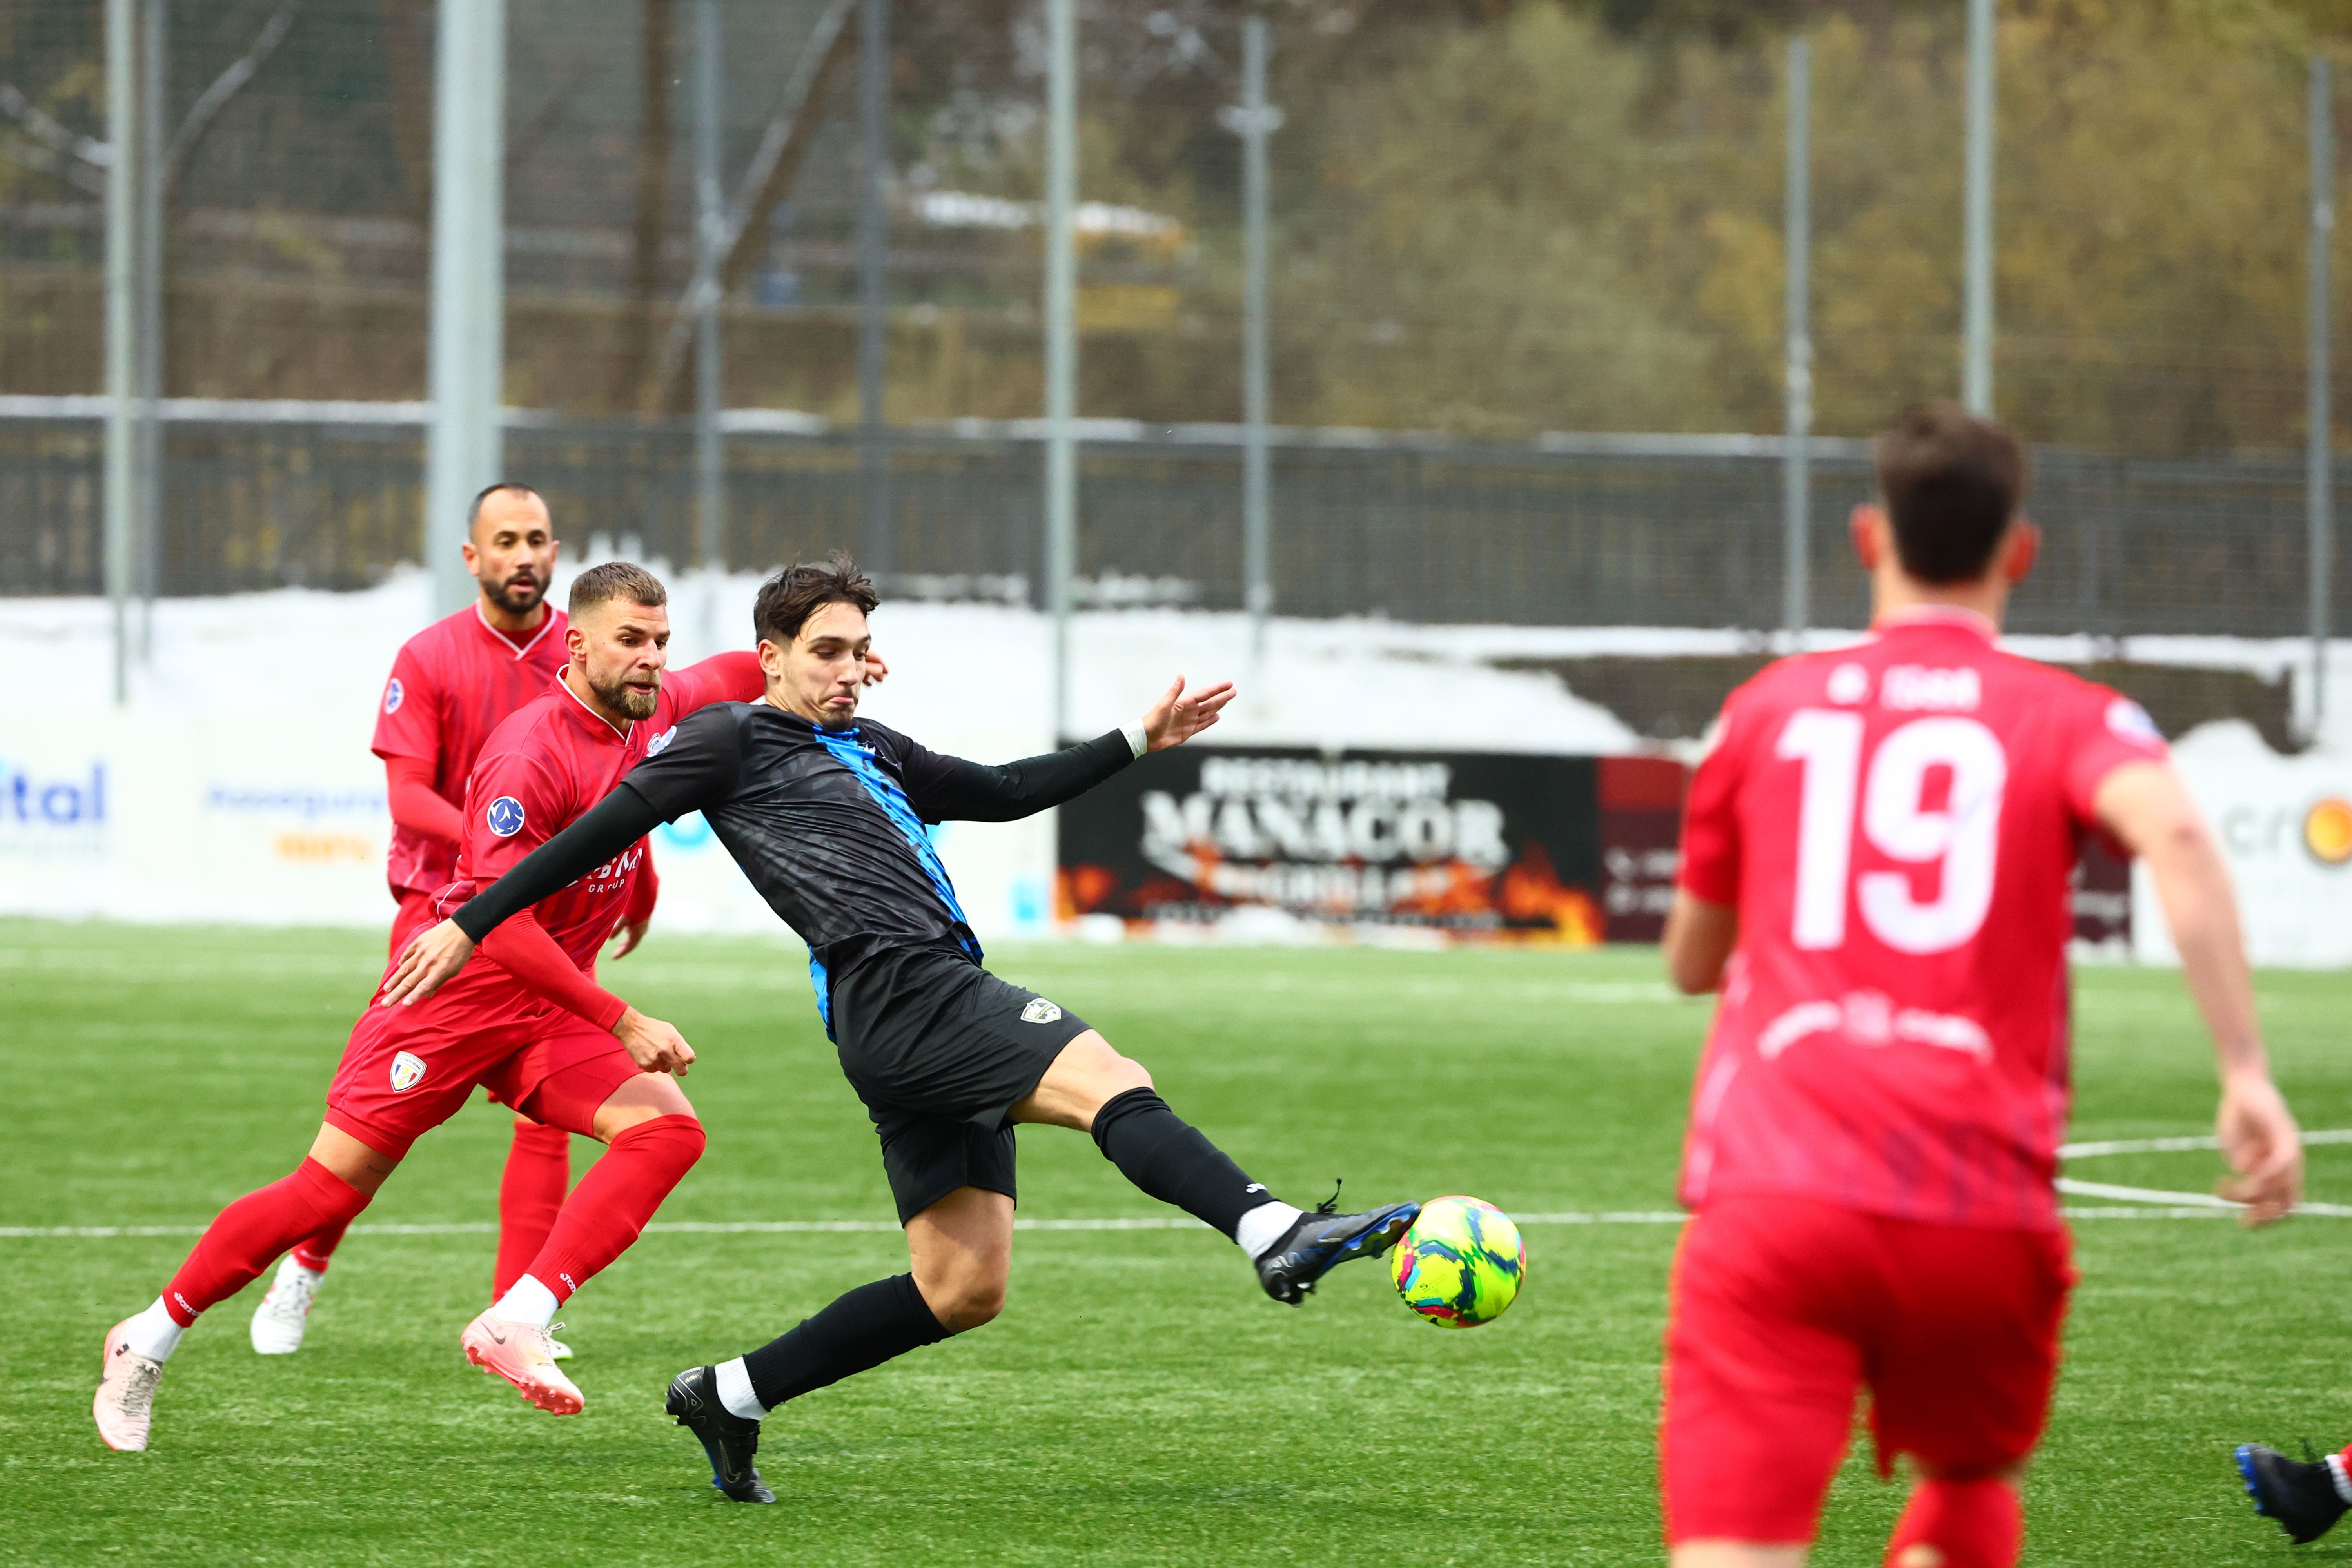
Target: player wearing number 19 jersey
(1877, 853)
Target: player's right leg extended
(330, 1187)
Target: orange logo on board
(2328, 831)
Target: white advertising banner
(281, 820)
(2285, 826)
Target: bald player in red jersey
(1877, 861)
(588, 1064)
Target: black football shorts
(940, 1050)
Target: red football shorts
(407, 1070)
(1783, 1308)
(415, 913)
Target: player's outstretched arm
(2150, 812)
(950, 789)
(603, 831)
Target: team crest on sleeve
(407, 1072)
(2129, 720)
(1040, 1011)
(394, 694)
(505, 816)
(660, 743)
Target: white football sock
(527, 1301)
(153, 1333)
(1263, 1226)
(735, 1391)
(2335, 1473)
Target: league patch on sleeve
(505, 816)
(660, 743)
(394, 694)
(2128, 720)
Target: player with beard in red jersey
(1876, 862)
(532, 1026)
(451, 685)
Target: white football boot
(285, 1309)
(125, 1404)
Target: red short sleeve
(1709, 867)
(722, 677)
(2104, 729)
(408, 714)
(513, 805)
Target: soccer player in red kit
(588, 1063)
(1876, 858)
(451, 685)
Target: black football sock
(862, 1329)
(1169, 1158)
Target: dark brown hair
(789, 598)
(616, 580)
(1952, 482)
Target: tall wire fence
(1489, 226)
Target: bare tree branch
(226, 85)
(763, 185)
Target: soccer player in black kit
(826, 815)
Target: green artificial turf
(1140, 1402)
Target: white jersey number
(1961, 839)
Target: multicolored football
(1460, 1264)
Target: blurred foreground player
(826, 815)
(1876, 856)
(587, 1063)
(451, 685)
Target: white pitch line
(2179, 1145)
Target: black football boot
(1319, 1241)
(2300, 1498)
(727, 1439)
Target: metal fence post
(148, 483)
(122, 268)
(466, 356)
(2319, 464)
(711, 235)
(873, 279)
(1254, 120)
(1796, 472)
(1061, 338)
(1976, 359)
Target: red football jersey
(553, 760)
(451, 685)
(1897, 824)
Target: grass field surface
(1140, 1401)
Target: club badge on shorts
(407, 1072)
(1040, 1011)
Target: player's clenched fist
(436, 955)
(653, 1045)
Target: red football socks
(531, 1194)
(614, 1200)
(315, 1252)
(1959, 1524)
(246, 1237)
